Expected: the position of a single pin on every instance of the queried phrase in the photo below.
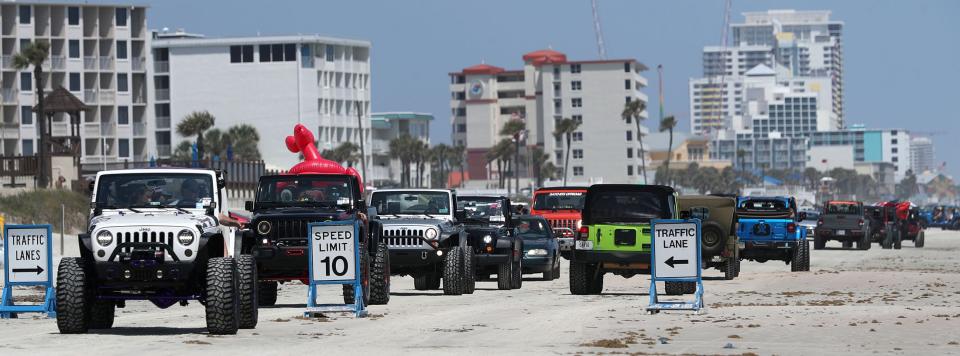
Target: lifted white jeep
(154, 234)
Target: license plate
(841, 232)
(741, 245)
(584, 245)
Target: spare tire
(712, 239)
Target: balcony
(57, 62)
(163, 122)
(60, 129)
(163, 150)
(91, 129)
(7, 62)
(139, 129)
(108, 96)
(106, 63)
(161, 67)
(163, 94)
(9, 95)
(90, 63)
(89, 96)
(140, 97)
(107, 129)
(138, 64)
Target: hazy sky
(901, 57)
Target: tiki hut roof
(61, 100)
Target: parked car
(842, 221)
(541, 250)
(767, 226)
(809, 222)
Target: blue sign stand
(357, 308)
(656, 305)
(7, 307)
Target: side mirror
(248, 205)
(699, 212)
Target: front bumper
(415, 257)
(281, 263)
(768, 244)
(534, 264)
(144, 273)
(487, 259)
(834, 234)
(566, 243)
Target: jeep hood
(153, 219)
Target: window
(264, 53)
(556, 71)
(893, 150)
(577, 154)
(626, 84)
(894, 158)
(575, 85)
(577, 102)
(73, 16)
(123, 115)
(461, 127)
(893, 141)
(577, 136)
(629, 153)
(331, 53)
(123, 145)
(577, 171)
(25, 81)
(25, 14)
(121, 49)
(577, 118)
(626, 68)
(241, 54)
(28, 147)
(74, 82)
(629, 170)
(26, 115)
(122, 85)
(290, 52)
(574, 68)
(74, 48)
(121, 16)
(628, 99)
(629, 135)
(276, 52)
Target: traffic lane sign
(27, 253)
(675, 246)
(333, 256)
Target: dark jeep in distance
(285, 205)
(488, 221)
(842, 221)
(425, 237)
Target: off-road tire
(469, 271)
(864, 243)
(848, 244)
(247, 272)
(222, 296)
(898, 241)
(581, 278)
(517, 279)
(712, 239)
(426, 281)
(918, 242)
(453, 272)
(819, 242)
(548, 275)
(102, 313)
(380, 276)
(730, 268)
(673, 288)
(556, 270)
(267, 293)
(596, 283)
(73, 297)
(796, 262)
(364, 281)
(505, 276)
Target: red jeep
(561, 207)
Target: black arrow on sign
(670, 262)
(38, 270)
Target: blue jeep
(768, 230)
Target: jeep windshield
(627, 207)
(312, 191)
(411, 203)
(481, 208)
(843, 208)
(764, 208)
(154, 190)
(558, 201)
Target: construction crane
(723, 66)
(601, 49)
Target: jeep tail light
(583, 233)
(791, 228)
(860, 222)
(820, 222)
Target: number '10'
(339, 265)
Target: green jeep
(614, 236)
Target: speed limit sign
(333, 252)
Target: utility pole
(363, 152)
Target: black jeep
(496, 249)
(285, 205)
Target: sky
(900, 57)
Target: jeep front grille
(165, 238)
(409, 237)
(572, 224)
(287, 228)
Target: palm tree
(244, 140)
(34, 55)
(421, 154)
(195, 124)
(441, 155)
(402, 148)
(633, 111)
(565, 128)
(667, 124)
(539, 159)
(215, 142)
(183, 152)
(548, 171)
(457, 158)
(514, 129)
(501, 152)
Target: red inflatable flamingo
(302, 141)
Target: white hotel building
(548, 88)
(270, 82)
(99, 53)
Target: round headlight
(430, 233)
(104, 238)
(487, 239)
(185, 237)
(264, 227)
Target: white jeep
(154, 234)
